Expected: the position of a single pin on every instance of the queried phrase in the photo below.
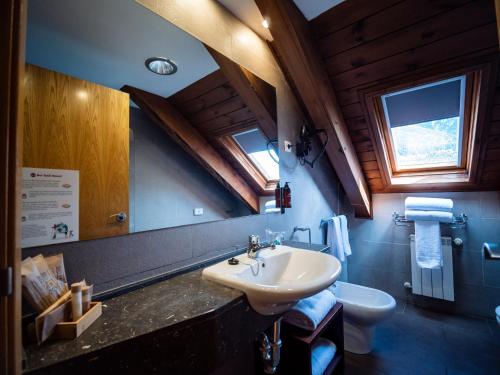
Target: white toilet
(364, 308)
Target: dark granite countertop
(137, 313)
(142, 311)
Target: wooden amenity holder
(71, 330)
(298, 343)
(56, 322)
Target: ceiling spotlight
(265, 23)
(161, 66)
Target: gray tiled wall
(381, 252)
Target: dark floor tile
(418, 341)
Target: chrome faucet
(254, 246)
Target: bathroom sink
(277, 278)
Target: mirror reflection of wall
(200, 140)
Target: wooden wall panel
(74, 124)
(12, 47)
(366, 43)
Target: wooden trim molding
(12, 46)
(481, 75)
(497, 12)
(300, 58)
(266, 187)
(182, 132)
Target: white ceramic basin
(278, 278)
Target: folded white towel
(428, 204)
(345, 235)
(322, 353)
(271, 210)
(309, 312)
(270, 204)
(428, 249)
(438, 216)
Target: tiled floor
(417, 341)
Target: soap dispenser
(287, 196)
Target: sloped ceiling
(248, 12)
(107, 42)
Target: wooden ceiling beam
(182, 132)
(300, 58)
(256, 93)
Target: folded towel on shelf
(322, 353)
(438, 216)
(345, 235)
(309, 312)
(428, 244)
(428, 204)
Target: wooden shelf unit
(298, 343)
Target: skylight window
(425, 125)
(255, 146)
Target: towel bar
(459, 221)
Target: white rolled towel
(428, 204)
(309, 312)
(439, 216)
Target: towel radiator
(436, 283)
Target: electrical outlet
(198, 211)
(287, 146)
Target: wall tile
(381, 255)
(492, 274)
(467, 268)
(490, 204)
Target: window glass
(425, 124)
(255, 145)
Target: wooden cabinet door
(74, 124)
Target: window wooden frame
(480, 81)
(466, 126)
(266, 186)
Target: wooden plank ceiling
(216, 109)
(363, 43)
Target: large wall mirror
(159, 126)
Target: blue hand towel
(322, 354)
(309, 312)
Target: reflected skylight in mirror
(262, 155)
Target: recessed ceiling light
(161, 65)
(265, 23)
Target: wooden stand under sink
(297, 344)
